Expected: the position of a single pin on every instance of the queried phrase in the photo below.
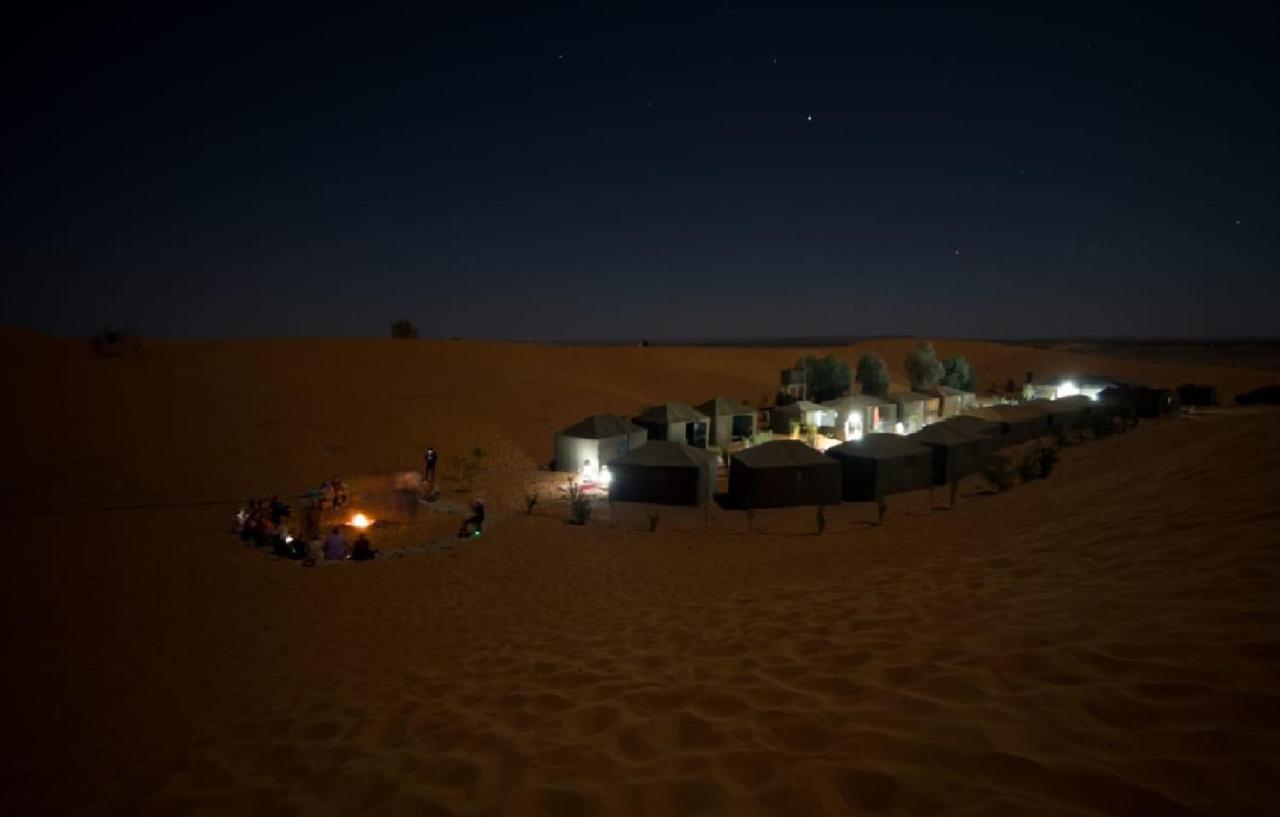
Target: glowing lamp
(899, 428)
(1068, 389)
(606, 477)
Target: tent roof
(1014, 413)
(948, 391)
(671, 413)
(857, 400)
(879, 447)
(780, 454)
(803, 406)
(720, 406)
(601, 427)
(943, 434)
(911, 396)
(665, 453)
(974, 426)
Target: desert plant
(654, 517)
(826, 377)
(955, 491)
(403, 329)
(999, 474)
(873, 375)
(1048, 457)
(470, 467)
(112, 342)
(882, 510)
(924, 370)
(958, 374)
(580, 510)
(822, 519)
(1029, 468)
(530, 502)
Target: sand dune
(1103, 642)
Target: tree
(403, 329)
(958, 374)
(826, 377)
(924, 370)
(873, 375)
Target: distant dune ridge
(1106, 641)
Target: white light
(605, 476)
(287, 538)
(899, 428)
(1068, 389)
(360, 521)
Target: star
(957, 252)
(809, 118)
(1237, 222)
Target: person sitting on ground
(362, 550)
(335, 544)
(476, 520)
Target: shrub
(112, 342)
(882, 510)
(1029, 468)
(579, 505)
(1048, 457)
(403, 329)
(530, 502)
(827, 378)
(924, 370)
(873, 375)
(958, 374)
(999, 474)
(654, 517)
(822, 519)
(470, 467)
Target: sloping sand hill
(1106, 641)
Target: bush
(1029, 468)
(112, 342)
(470, 467)
(402, 329)
(579, 505)
(958, 374)
(999, 474)
(924, 370)
(822, 519)
(873, 375)
(1048, 457)
(654, 518)
(827, 378)
(530, 502)
(1265, 396)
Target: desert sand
(1106, 641)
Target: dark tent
(1070, 413)
(1262, 396)
(783, 473)
(1139, 401)
(959, 449)
(730, 420)
(676, 422)
(1019, 423)
(1192, 394)
(882, 464)
(664, 473)
(597, 439)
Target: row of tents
(656, 458)
(721, 421)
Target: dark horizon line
(777, 341)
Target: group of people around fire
(265, 524)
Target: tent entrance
(741, 426)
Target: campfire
(360, 521)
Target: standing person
(429, 472)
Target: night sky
(627, 170)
